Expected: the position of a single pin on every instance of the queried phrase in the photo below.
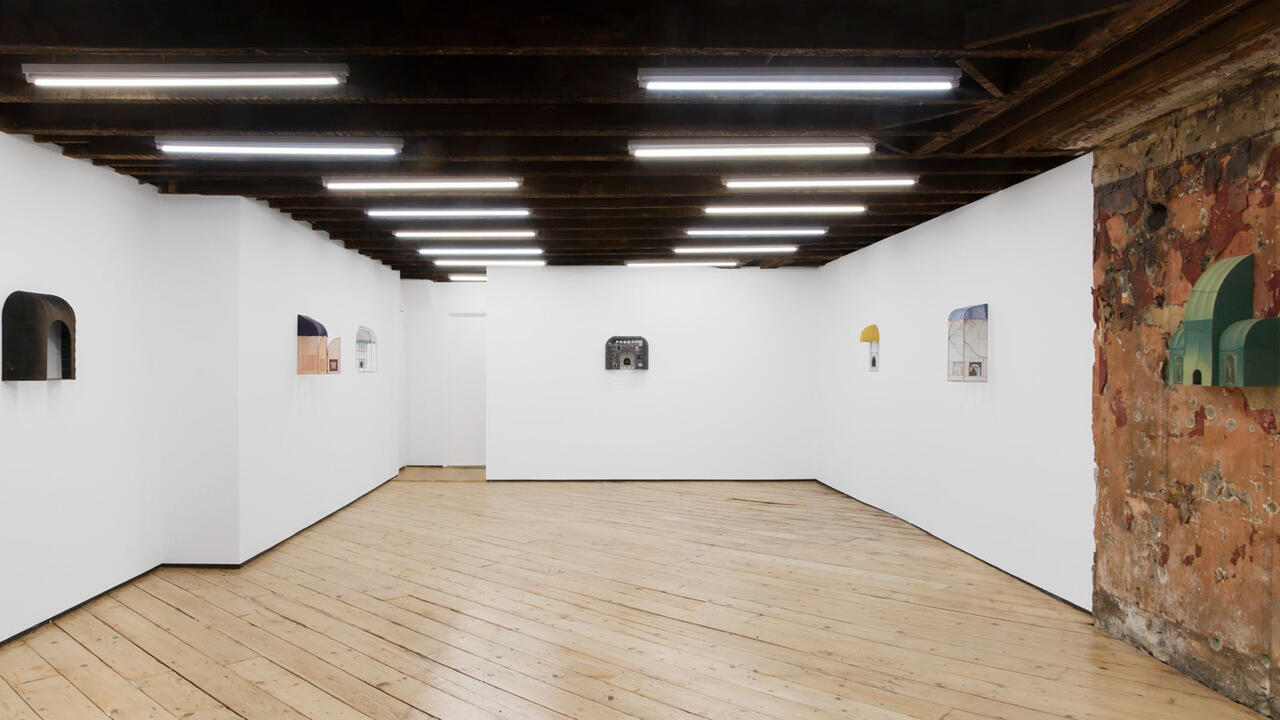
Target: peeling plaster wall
(1186, 525)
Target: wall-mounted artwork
(967, 344)
(871, 336)
(39, 338)
(366, 350)
(1220, 342)
(626, 353)
(317, 354)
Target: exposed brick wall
(1188, 537)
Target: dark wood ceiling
(550, 95)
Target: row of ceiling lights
(711, 80)
(664, 150)
(715, 80)
(356, 149)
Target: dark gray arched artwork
(626, 353)
(39, 337)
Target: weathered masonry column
(1187, 532)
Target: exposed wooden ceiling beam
(1013, 19)
(429, 272)
(685, 213)
(1158, 37)
(980, 77)
(586, 245)
(568, 188)
(605, 236)
(1120, 25)
(604, 224)
(422, 153)
(600, 206)
(689, 216)
(486, 81)
(817, 28)
(653, 120)
(550, 95)
(1252, 32)
(323, 201)
(169, 168)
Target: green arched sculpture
(1220, 342)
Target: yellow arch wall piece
(870, 333)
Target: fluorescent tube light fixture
(756, 232)
(480, 262)
(785, 209)
(467, 277)
(421, 183)
(802, 183)
(681, 263)
(465, 234)
(446, 213)
(800, 80)
(337, 148)
(735, 249)
(697, 149)
(445, 251)
(182, 76)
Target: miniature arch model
(39, 337)
(1220, 342)
(871, 335)
(366, 350)
(317, 355)
(626, 352)
(967, 344)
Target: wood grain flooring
(674, 601)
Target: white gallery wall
(189, 438)
(78, 512)
(730, 392)
(430, 309)
(1003, 469)
(309, 444)
(186, 436)
(760, 374)
(184, 365)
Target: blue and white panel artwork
(967, 344)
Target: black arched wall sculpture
(28, 320)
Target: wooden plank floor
(751, 601)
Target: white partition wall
(187, 387)
(430, 309)
(729, 395)
(310, 444)
(761, 374)
(82, 508)
(187, 435)
(465, 389)
(1002, 469)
